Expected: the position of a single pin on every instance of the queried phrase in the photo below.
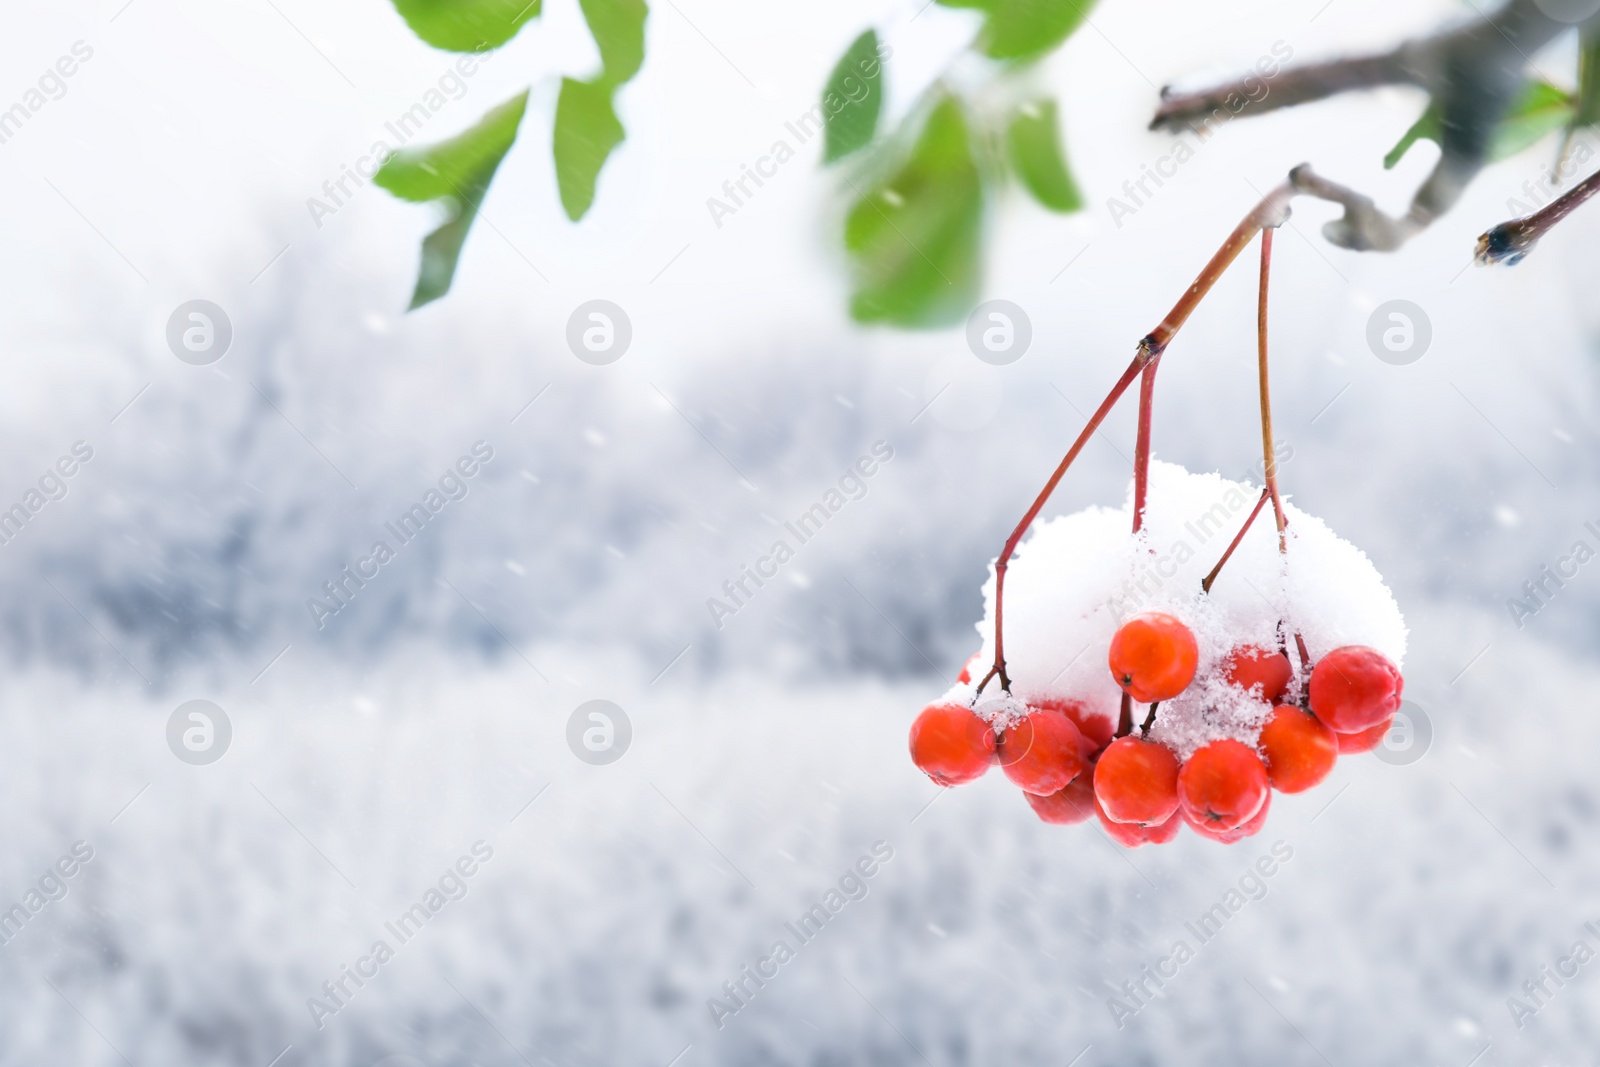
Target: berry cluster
(1240, 718)
(1070, 767)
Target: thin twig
(1141, 446)
(1269, 468)
(1149, 720)
(1510, 241)
(1205, 586)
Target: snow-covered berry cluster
(1246, 682)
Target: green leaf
(1023, 29)
(1041, 163)
(914, 240)
(1541, 109)
(456, 172)
(618, 30)
(587, 129)
(852, 99)
(1426, 127)
(1586, 111)
(466, 25)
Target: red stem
(1095, 420)
(1205, 586)
(1269, 459)
(1141, 447)
(1270, 212)
(1269, 467)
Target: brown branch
(1198, 111)
(1510, 241)
(1472, 72)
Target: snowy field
(382, 752)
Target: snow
(429, 714)
(1076, 578)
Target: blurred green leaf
(1586, 111)
(1023, 29)
(1036, 152)
(1426, 127)
(852, 98)
(618, 30)
(587, 129)
(457, 172)
(1541, 109)
(466, 25)
(914, 240)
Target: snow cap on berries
(1078, 577)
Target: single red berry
(1252, 665)
(1355, 688)
(1298, 748)
(965, 677)
(1364, 740)
(1132, 835)
(1238, 833)
(950, 744)
(1223, 785)
(1096, 729)
(1153, 657)
(1136, 781)
(1068, 806)
(1041, 753)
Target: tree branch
(1472, 71)
(1508, 242)
(1198, 111)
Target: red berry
(1364, 740)
(1136, 781)
(1223, 785)
(1068, 806)
(950, 744)
(1041, 753)
(965, 677)
(1299, 749)
(1132, 835)
(1251, 665)
(1153, 657)
(1238, 833)
(1355, 688)
(1096, 729)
